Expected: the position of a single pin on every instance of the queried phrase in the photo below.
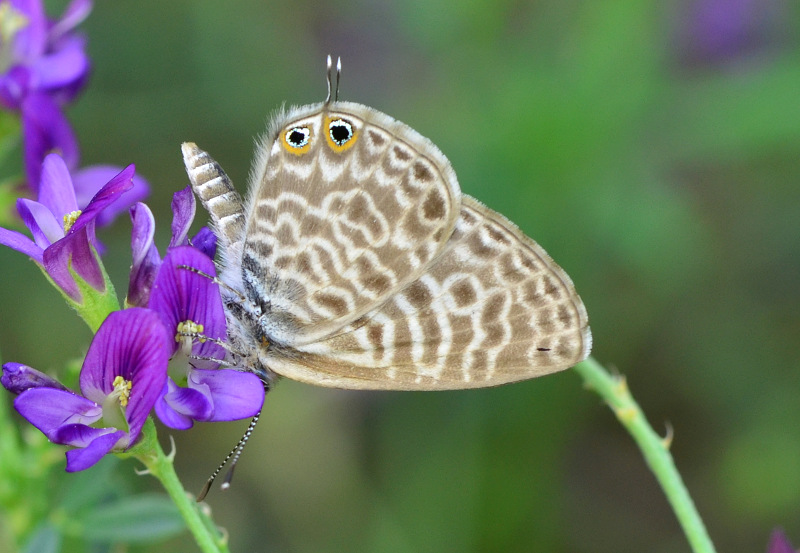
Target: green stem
(205, 532)
(614, 390)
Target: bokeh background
(653, 148)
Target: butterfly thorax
(248, 345)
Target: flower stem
(207, 535)
(614, 390)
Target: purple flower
(42, 55)
(191, 309)
(779, 543)
(45, 66)
(63, 235)
(45, 130)
(122, 376)
(726, 32)
(206, 241)
(18, 377)
(183, 210)
(88, 182)
(146, 259)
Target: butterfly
(356, 262)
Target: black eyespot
(341, 131)
(298, 136)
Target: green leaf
(140, 519)
(46, 539)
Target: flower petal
(143, 232)
(49, 409)
(73, 15)
(18, 377)
(89, 180)
(170, 417)
(40, 221)
(56, 190)
(30, 42)
(73, 251)
(183, 210)
(63, 67)
(133, 344)
(206, 241)
(80, 435)
(14, 87)
(18, 241)
(81, 459)
(179, 406)
(180, 295)
(45, 130)
(107, 195)
(235, 394)
(146, 260)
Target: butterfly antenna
(236, 452)
(226, 483)
(329, 73)
(338, 77)
(328, 76)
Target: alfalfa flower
(122, 376)
(43, 65)
(146, 259)
(64, 241)
(189, 303)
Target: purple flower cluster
(190, 306)
(163, 352)
(64, 241)
(122, 375)
(43, 66)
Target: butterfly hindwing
(492, 309)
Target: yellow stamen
(70, 218)
(189, 327)
(122, 389)
(11, 22)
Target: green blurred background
(653, 148)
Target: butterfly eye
(341, 131)
(298, 137)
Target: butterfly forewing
(492, 309)
(334, 230)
